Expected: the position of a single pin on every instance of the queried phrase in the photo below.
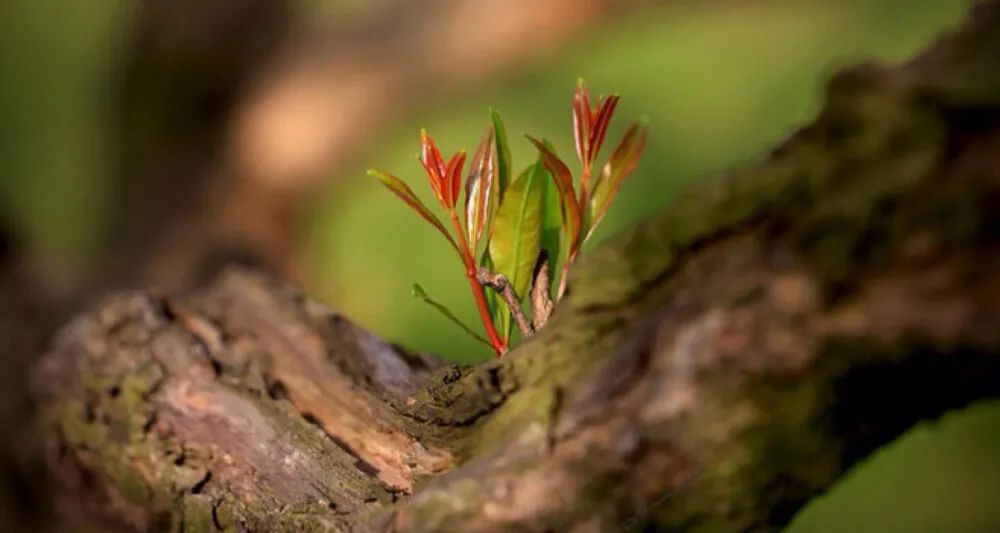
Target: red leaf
(621, 163)
(564, 184)
(600, 128)
(454, 176)
(478, 188)
(436, 170)
(403, 191)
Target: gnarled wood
(712, 367)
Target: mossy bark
(712, 368)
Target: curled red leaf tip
(601, 116)
(590, 124)
(444, 177)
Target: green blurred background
(720, 81)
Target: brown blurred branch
(233, 113)
(329, 91)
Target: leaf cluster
(514, 231)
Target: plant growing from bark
(513, 232)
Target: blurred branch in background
(331, 89)
(269, 115)
(187, 66)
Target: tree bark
(712, 368)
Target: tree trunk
(712, 368)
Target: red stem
(477, 290)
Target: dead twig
(541, 302)
(500, 284)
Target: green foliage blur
(55, 143)
(720, 80)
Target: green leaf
(563, 180)
(551, 222)
(403, 191)
(419, 292)
(503, 154)
(621, 163)
(517, 228)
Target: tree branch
(499, 283)
(713, 367)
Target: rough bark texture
(712, 368)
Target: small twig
(541, 302)
(500, 284)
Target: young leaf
(419, 292)
(437, 171)
(551, 221)
(503, 155)
(621, 163)
(600, 127)
(403, 191)
(517, 229)
(601, 117)
(453, 177)
(582, 122)
(563, 179)
(478, 190)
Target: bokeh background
(149, 142)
